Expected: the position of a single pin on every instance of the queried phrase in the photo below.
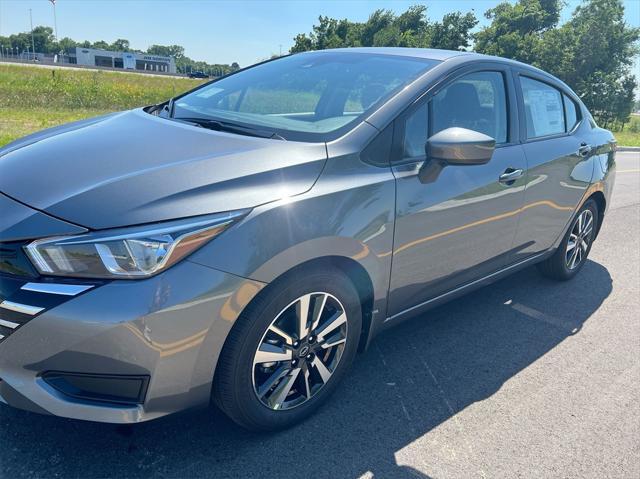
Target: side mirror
(459, 146)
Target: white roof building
(125, 60)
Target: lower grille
(108, 388)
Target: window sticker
(546, 111)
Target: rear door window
(544, 113)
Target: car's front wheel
(288, 350)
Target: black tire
(233, 389)
(557, 266)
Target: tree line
(45, 42)
(593, 52)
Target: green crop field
(32, 99)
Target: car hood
(133, 168)
(19, 222)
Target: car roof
(426, 53)
(434, 54)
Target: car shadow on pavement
(412, 379)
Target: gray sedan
(242, 242)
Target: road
(524, 378)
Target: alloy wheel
(300, 351)
(579, 240)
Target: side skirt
(464, 289)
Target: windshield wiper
(219, 125)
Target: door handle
(510, 175)
(584, 149)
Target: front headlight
(129, 253)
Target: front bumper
(168, 329)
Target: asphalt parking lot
(526, 377)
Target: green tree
(120, 45)
(101, 45)
(381, 23)
(175, 51)
(516, 29)
(42, 38)
(453, 32)
(67, 45)
(592, 52)
(302, 43)
(384, 28)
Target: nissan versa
(241, 242)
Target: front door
(455, 223)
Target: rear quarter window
(571, 112)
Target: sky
(219, 31)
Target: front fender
(349, 213)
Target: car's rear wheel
(289, 349)
(572, 253)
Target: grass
(627, 138)
(630, 136)
(32, 99)
(18, 122)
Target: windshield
(308, 94)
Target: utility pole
(33, 43)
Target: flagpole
(33, 43)
(55, 19)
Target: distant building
(125, 60)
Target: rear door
(557, 147)
(455, 223)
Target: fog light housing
(117, 389)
